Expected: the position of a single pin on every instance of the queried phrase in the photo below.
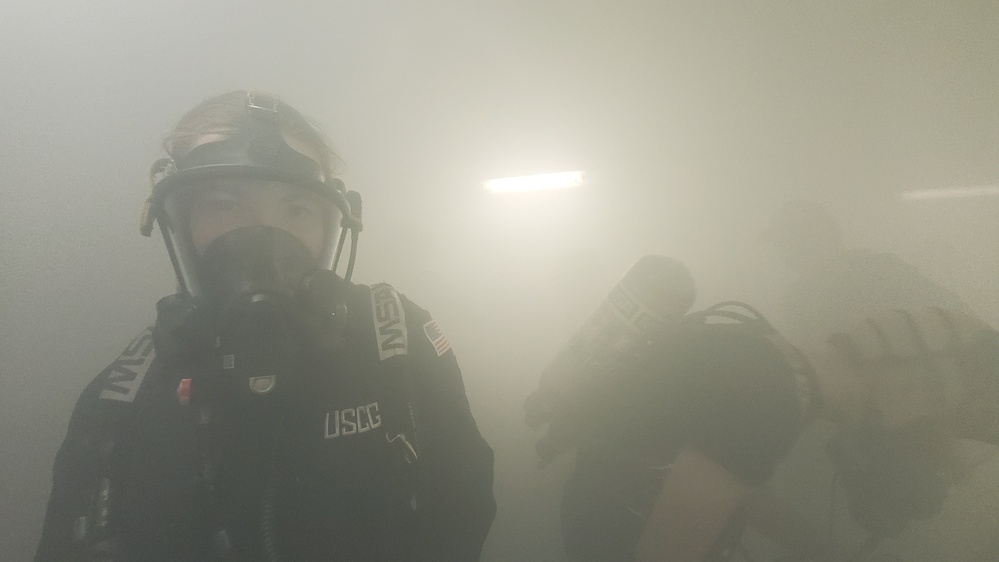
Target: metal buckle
(161, 169)
(408, 451)
(261, 105)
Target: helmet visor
(198, 212)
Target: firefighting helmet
(257, 150)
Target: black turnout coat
(332, 477)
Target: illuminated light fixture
(952, 193)
(539, 182)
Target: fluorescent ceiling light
(539, 182)
(951, 193)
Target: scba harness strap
(122, 393)
(741, 316)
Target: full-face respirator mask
(250, 293)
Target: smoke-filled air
(557, 195)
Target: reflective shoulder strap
(392, 341)
(389, 316)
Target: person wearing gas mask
(676, 431)
(276, 410)
(906, 390)
(834, 287)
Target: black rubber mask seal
(253, 260)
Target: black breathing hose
(268, 521)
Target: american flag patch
(436, 337)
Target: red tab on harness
(184, 392)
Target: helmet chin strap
(351, 223)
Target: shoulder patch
(436, 337)
(390, 322)
(126, 373)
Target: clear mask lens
(195, 217)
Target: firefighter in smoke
(276, 410)
(676, 431)
(836, 286)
